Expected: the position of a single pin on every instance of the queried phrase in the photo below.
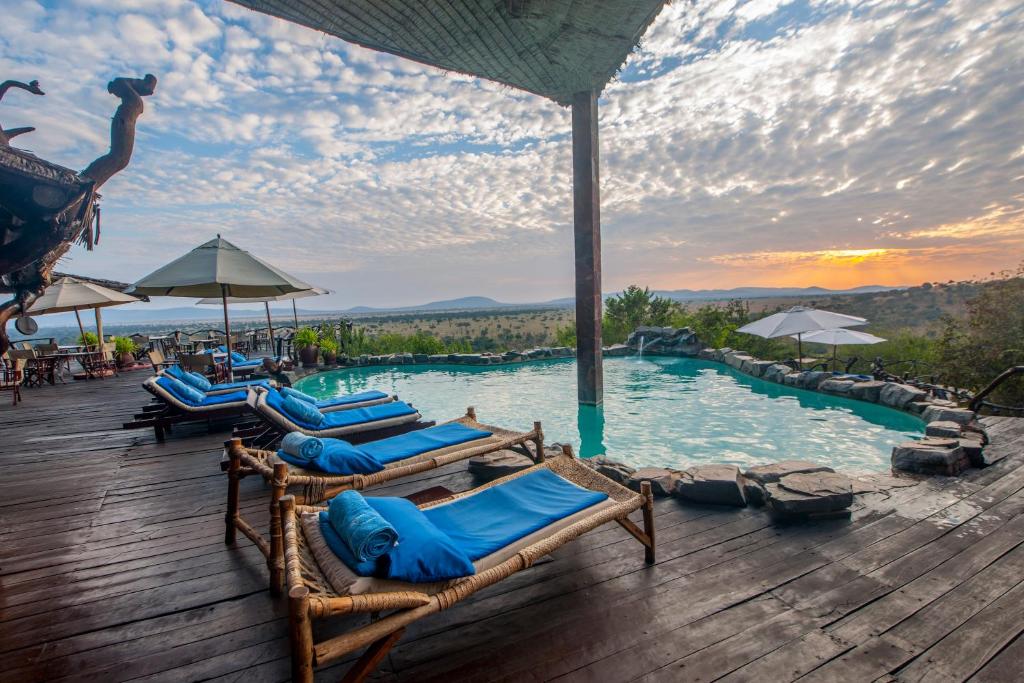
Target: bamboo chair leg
(301, 634)
(538, 443)
(648, 511)
(371, 659)
(275, 561)
(234, 465)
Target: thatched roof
(553, 48)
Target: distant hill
(463, 303)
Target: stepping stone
(663, 480)
(900, 395)
(810, 494)
(715, 484)
(837, 386)
(616, 471)
(944, 428)
(973, 449)
(867, 391)
(931, 455)
(754, 492)
(498, 464)
(769, 474)
(934, 413)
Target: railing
(979, 402)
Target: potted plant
(125, 349)
(88, 339)
(307, 343)
(329, 350)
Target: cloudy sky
(746, 143)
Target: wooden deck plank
(115, 569)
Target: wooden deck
(113, 567)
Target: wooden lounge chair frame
(270, 425)
(168, 411)
(241, 462)
(310, 595)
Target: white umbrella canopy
(798, 320)
(72, 294)
(841, 337)
(219, 269)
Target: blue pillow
(185, 392)
(288, 391)
(336, 456)
(196, 380)
(302, 412)
(175, 371)
(424, 553)
(236, 357)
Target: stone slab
(498, 464)
(810, 493)
(928, 457)
(773, 472)
(663, 480)
(715, 484)
(934, 413)
(943, 428)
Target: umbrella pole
(295, 314)
(81, 329)
(227, 330)
(99, 331)
(834, 347)
(799, 352)
(270, 328)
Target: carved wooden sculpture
(45, 208)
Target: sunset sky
(745, 143)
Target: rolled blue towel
(298, 445)
(367, 534)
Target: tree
(635, 307)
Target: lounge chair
(321, 586)
(401, 455)
(366, 420)
(172, 408)
(177, 371)
(12, 376)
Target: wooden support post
(648, 511)
(234, 465)
(301, 634)
(587, 238)
(275, 561)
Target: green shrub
(124, 345)
(306, 337)
(88, 339)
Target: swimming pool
(667, 412)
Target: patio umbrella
(265, 300)
(797, 321)
(219, 269)
(840, 337)
(72, 294)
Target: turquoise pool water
(658, 412)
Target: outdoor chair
(375, 418)
(176, 371)
(159, 361)
(322, 587)
(12, 375)
(241, 462)
(172, 408)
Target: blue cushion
(207, 400)
(197, 380)
(236, 357)
(424, 554)
(302, 412)
(498, 516)
(244, 384)
(361, 397)
(175, 371)
(288, 391)
(413, 443)
(181, 391)
(335, 457)
(354, 416)
(366, 533)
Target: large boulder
(794, 379)
(773, 472)
(900, 395)
(716, 484)
(931, 455)
(734, 359)
(663, 480)
(935, 413)
(943, 428)
(706, 354)
(867, 391)
(757, 368)
(776, 372)
(841, 387)
(614, 470)
(811, 379)
(681, 341)
(616, 350)
(810, 494)
(974, 451)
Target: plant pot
(308, 355)
(125, 359)
(330, 357)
